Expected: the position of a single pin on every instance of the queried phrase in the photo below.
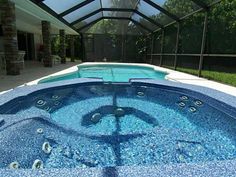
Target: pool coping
(174, 76)
(23, 91)
(214, 168)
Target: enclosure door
(26, 43)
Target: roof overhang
(29, 15)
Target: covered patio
(26, 36)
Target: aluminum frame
(203, 44)
(203, 7)
(115, 18)
(134, 10)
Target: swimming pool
(89, 123)
(110, 72)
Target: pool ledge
(25, 90)
(211, 169)
(218, 95)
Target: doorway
(26, 43)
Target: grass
(223, 77)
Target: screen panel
(88, 20)
(62, 6)
(153, 13)
(97, 28)
(116, 14)
(114, 26)
(179, 8)
(83, 11)
(130, 4)
(144, 22)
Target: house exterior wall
(29, 28)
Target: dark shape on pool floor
(109, 110)
(110, 172)
(2, 122)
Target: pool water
(105, 125)
(111, 73)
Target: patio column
(62, 52)
(47, 57)
(10, 43)
(72, 48)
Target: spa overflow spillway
(96, 124)
(110, 72)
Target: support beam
(10, 43)
(62, 52)
(116, 18)
(86, 16)
(83, 48)
(101, 7)
(192, 13)
(117, 10)
(152, 48)
(123, 46)
(146, 49)
(39, 1)
(47, 58)
(162, 46)
(200, 4)
(203, 43)
(177, 46)
(172, 16)
(82, 4)
(133, 11)
(134, 21)
(88, 24)
(50, 11)
(72, 48)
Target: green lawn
(223, 77)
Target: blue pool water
(111, 73)
(105, 125)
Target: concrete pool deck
(33, 73)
